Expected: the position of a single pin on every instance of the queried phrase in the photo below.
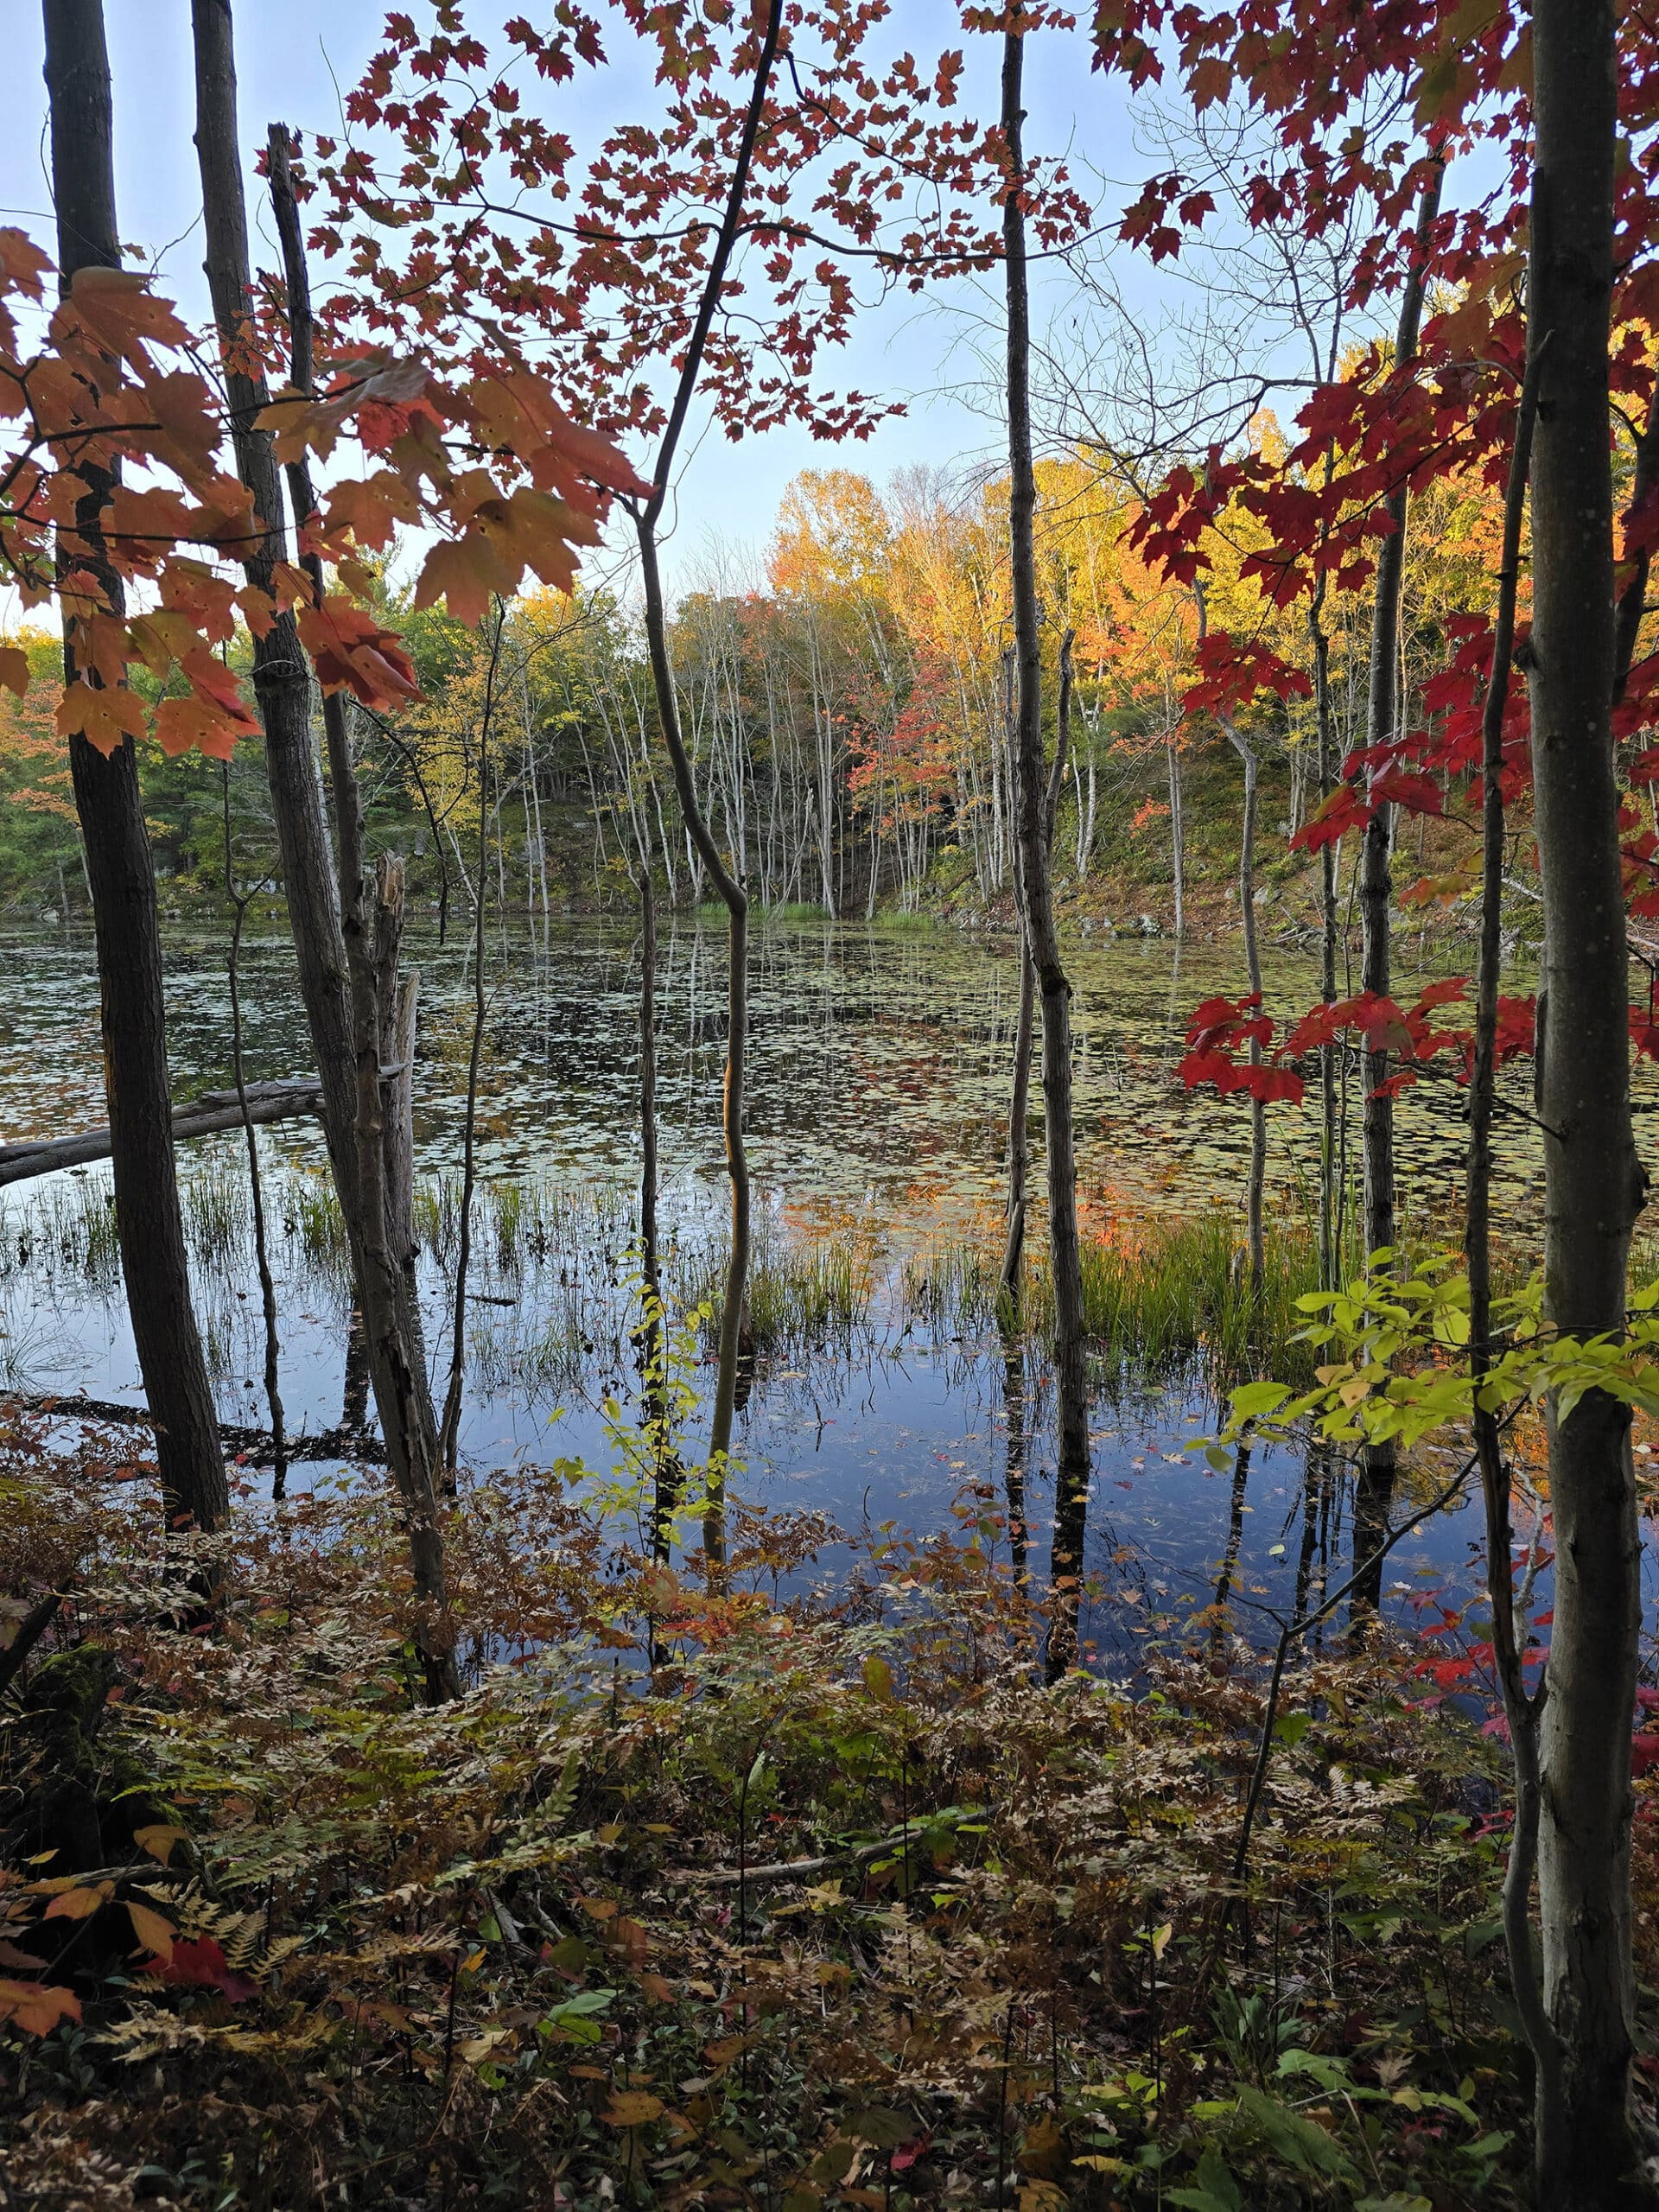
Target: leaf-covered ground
(845, 1909)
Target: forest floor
(841, 1904)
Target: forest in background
(847, 717)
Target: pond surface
(878, 1075)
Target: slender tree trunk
(1374, 1493)
(1522, 1711)
(1594, 1185)
(239, 902)
(653, 1334)
(1255, 1236)
(1330, 1167)
(120, 872)
(1014, 1247)
(728, 881)
(1177, 832)
(347, 1060)
(450, 1428)
(1032, 820)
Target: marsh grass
(1157, 1293)
(805, 1287)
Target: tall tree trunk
(1594, 1185)
(728, 881)
(1013, 1244)
(1375, 1493)
(449, 1427)
(120, 872)
(347, 1060)
(1254, 1189)
(240, 901)
(1523, 1711)
(1330, 1165)
(1032, 819)
(1177, 832)
(1255, 1241)
(369, 931)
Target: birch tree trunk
(121, 876)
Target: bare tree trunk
(1330, 1205)
(1254, 1237)
(1256, 1245)
(450, 1428)
(239, 903)
(1014, 1248)
(348, 1056)
(727, 881)
(121, 876)
(1375, 1493)
(1032, 817)
(668, 1475)
(1177, 832)
(1523, 1711)
(1594, 1185)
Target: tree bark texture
(121, 875)
(352, 1109)
(1031, 807)
(1594, 1186)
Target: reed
(1157, 1293)
(805, 1288)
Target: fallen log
(214, 1111)
(253, 1446)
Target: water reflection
(879, 1070)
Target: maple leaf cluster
(466, 220)
(504, 479)
(1221, 1027)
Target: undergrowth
(843, 1906)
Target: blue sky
(296, 59)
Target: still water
(878, 1061)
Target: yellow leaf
(34, 2010)
(159, 1839)
(78, 1905)
(153, 1932)
(103, 718)
(632, 2108)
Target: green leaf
(1252, 1400)
(1217, 2190)
(883, 2130)
(1299, 2142)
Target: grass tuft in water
(1156, 1294)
